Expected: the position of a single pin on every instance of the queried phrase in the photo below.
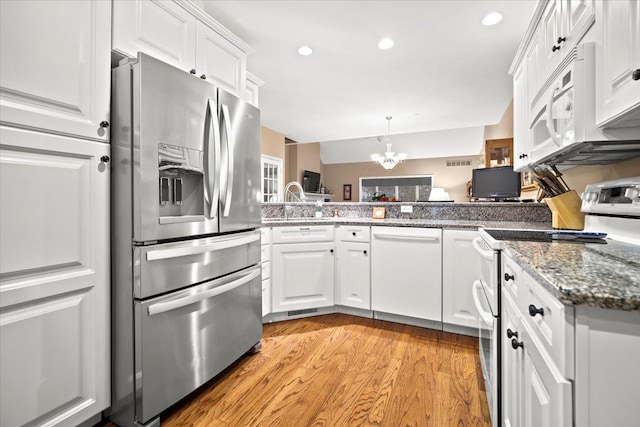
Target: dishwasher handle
(486, 316)
(162, 307)
(405, 237)
(477, 245)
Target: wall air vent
(453, 163)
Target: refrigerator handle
(229, 191)
(162, 307)
(212, 161)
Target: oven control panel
(618, 197)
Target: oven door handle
(488, 255)
(163, 307)
(200, 249)
(485, 316)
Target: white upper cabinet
(520, 120)
(55, 73)
(618, 64)
(220, 61)
(183, 35)
(252, 88)
(161, 29)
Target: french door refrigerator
(186, 284)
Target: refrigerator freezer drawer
(171, 266)
(186, 338)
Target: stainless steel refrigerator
(186, 284)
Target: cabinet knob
(104, 124)
(508, 277)
(511, 334)
(525, 155)
(561, 39)
(554, 48)
(105, 159)
(192, 71)
(533, 310)
(365, 252)
(331, 250)
(515, 343)
(636, 74)
(354, 234)
(203, 77)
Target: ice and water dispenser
(181, 184)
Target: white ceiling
(446, 70)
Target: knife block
(565, 211)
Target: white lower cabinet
(460, 268)
(406, 271)
(353, 275)
(54, 279)
(302, 273)
(265, 258)
(534, 392)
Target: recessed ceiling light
(385, 44)
(492, 19)
(305, 51)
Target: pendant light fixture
(389, 159)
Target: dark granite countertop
(591, 274)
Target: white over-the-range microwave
(563, 128)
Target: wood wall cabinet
(183, 35)
(54, 286)
(498, 152)
(54, 73)
(457, 283)
(618, 64)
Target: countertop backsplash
(476, 211)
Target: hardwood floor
(339, 370)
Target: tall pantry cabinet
(54, 214)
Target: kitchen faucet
(288, 194)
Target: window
(271, 179)
(402, 188)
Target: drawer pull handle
(533, 310)
(508, 277)
(511, 334)
(515, 343)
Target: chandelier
(389, 159)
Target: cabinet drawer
(512, 279)
(265, 235)
(266, 270)
(553, 326)
(353, 233)
(315, 233)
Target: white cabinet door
(512, 366)
(406, 271)
(220, 61)
(54, 279)
(547, 395)
(520, 119)
(55, 73)
(160, 28)
(550, 30)
(460, 268)
(618, 62)
(578, 16)
(302, 276)
(353, 276)
(266, 297)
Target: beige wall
(271, 143)
(504, 129)
(301, 157)
(452, 178)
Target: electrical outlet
(406, 208)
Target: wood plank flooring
(339, 370)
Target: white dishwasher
(406, 272)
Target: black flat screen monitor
(311, 182)
(495, 183)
